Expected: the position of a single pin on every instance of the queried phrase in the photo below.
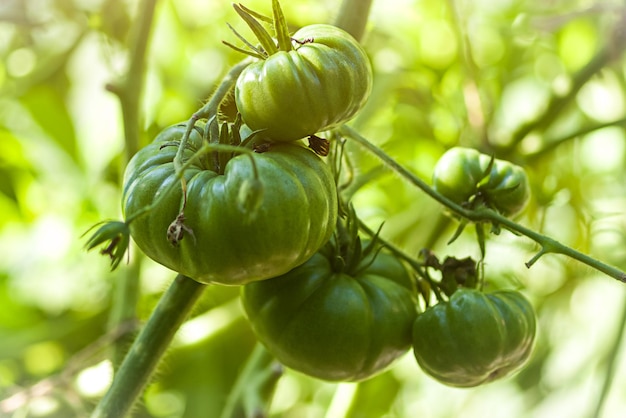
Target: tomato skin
(295, 217)
(459, 172)
(334, 326)
(315, 87)
(474, 338)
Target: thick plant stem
(210, 108)
(130, 88)
(129, 92)
(547, 244)
(149, 347)
(352, 17)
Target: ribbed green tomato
(334, 325)
(295, 213)
(320, 84)
(461, 174)
(474, 338)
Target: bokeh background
(447, 73)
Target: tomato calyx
(345, 249)
(269, 45)
(455, 273)
(116, 236)
(320, 146)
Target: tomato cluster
(263, 213)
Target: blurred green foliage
(460, 72)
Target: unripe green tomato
(461, 173)
(320, 84)
(334, 325)
(474, 338)
(237, 228)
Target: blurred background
(541, 83)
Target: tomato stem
(129, 92)
(547, 244)
(416, 266)
(148, 348)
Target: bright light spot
(95, 112)
(286, 395)
(42, 406)
(603, 150)
(577, 43)
(602, 98)
(165, 404)
(488, 48)
(43, 358)
(205, 66)
(340, 403)
(387, 60)
(21, 62)
(521, 101)
(437, 44)
(155, 277)
(95, 380)
(208, 324)
(548, 67)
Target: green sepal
(253, 51)
(265, 39)
(116, 234)
(458, 232)
(280, 26)
(487, 173)
(257, 15)
(480, 237)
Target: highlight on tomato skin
(475, 338)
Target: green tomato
(474, 338)
(461, 174)
(294, 203)
(335, 325)
(322, 83)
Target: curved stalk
(129, 92)
(210, 108)
(148, 348)
(547, 244)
